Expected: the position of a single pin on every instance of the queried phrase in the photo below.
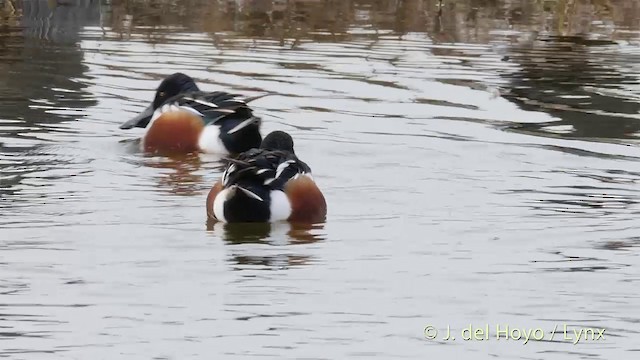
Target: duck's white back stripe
(225, 175)
(242, 125)
(226, 111)
(282, 167)
(190, 109)
(237, 101)
(206, 103)
(250, 193)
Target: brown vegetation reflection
(40, 71)
(335, 20)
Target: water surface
(479, 160)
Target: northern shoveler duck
(266, 185)
(182, 118)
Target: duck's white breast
(280, 207)
(210, 141)
(218, 204)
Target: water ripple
(478, 159)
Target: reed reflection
(40, 68)
(43, 59)
(319, 20)
(445, 21)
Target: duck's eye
(161, 94)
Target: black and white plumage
(265, 185)
(212, 106)
(270, 168)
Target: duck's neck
(190, 87)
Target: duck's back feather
(269, 168)
(213, 106)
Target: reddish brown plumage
(307, 202)
(174, 131)
(211, 198)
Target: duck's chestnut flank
(308, 204)
(176, 131)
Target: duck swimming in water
(268, 184)
(182, 118)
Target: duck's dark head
(278, 140)
(171, 86)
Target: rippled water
(479, 158)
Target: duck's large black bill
(142, 120)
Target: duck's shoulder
(212, 106)
(272, 168)
(211, 99)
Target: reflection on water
(575, 83)
(248, 243)
(480, 159)
(267, 233)
(40, 89)
(180, 173)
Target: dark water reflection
(592, 95)
(40, 88)
(479, 159)
(267, 246)
(266, 233)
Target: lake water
(480, 161)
